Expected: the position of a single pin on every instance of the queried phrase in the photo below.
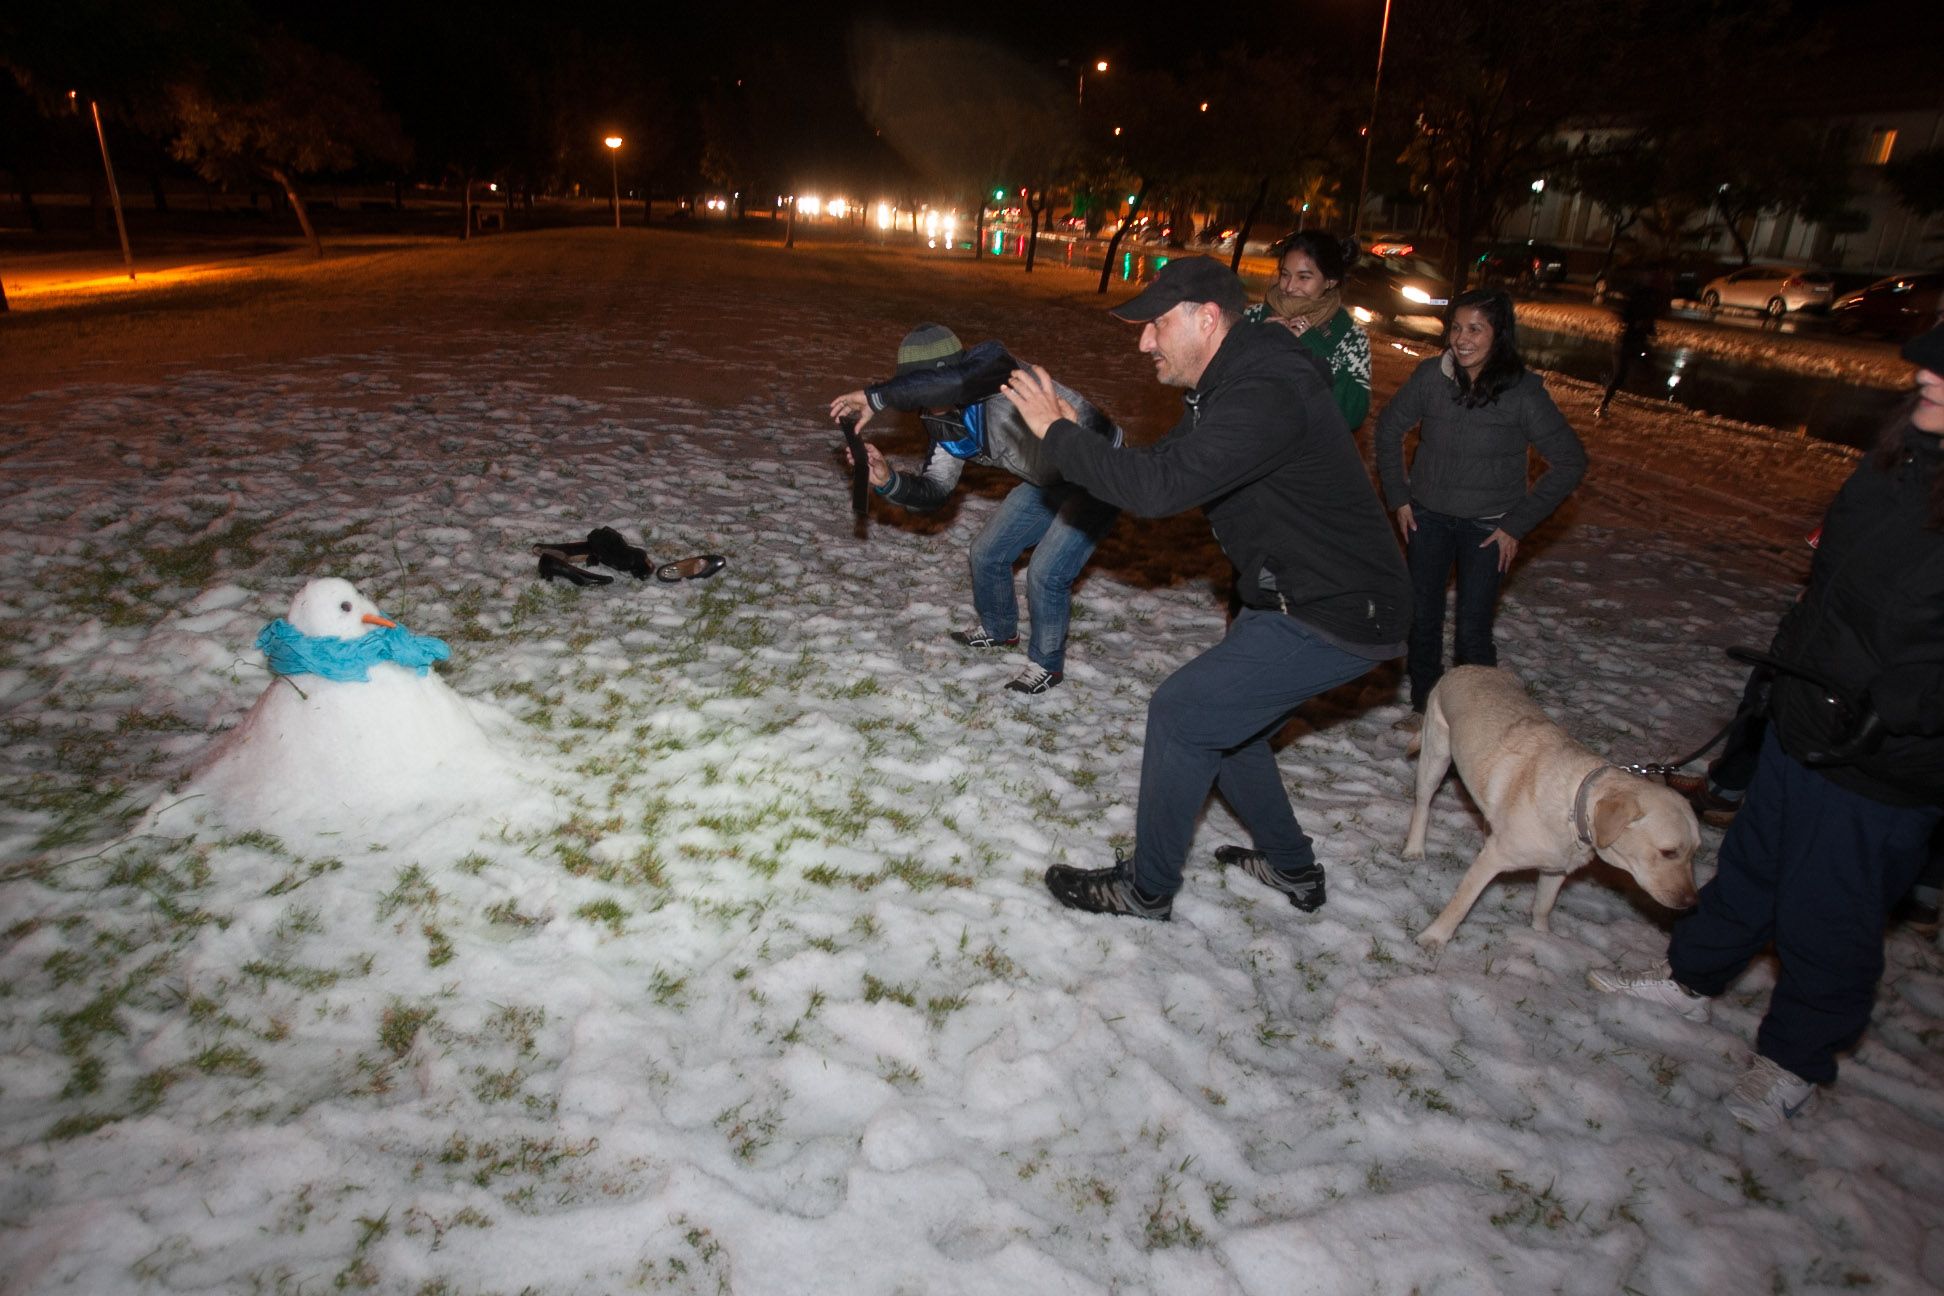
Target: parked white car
(1772, 290)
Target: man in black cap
(957, 393)
(1263, 451)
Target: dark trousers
(1209, 725)
(1813, 869)
(1439, 543)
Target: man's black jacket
(1263, 451)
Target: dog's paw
(1411, 852)
(1431, 939)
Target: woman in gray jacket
(1463, 500)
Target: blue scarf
(292, 652)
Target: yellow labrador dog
(1551, 803)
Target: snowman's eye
(345, 606)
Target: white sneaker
(1656, 985)
(1767, 1095)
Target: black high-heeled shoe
(554, 566)
(610, 548)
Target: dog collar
(1581, 829)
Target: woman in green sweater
(1310, 265)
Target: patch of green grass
(412, 890)
(399, 1024)
(228, 1059)
(875, 991)
(605, 911)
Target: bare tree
(304, 112)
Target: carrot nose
(372, 618)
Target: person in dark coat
(1262, 450)
(1640, 312)
(1849, 785)
(1463, 502)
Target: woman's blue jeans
(1440, 543)
(1061, 524)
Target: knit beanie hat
(927, 347)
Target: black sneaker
(1305, 890)
(1035, 679)
(1105, 891)
(976, 637)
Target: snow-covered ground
(773, 999)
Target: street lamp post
(1538, 192)
(613, 143)
(1370, 124)
(1080, 95)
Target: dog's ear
(1614, 814)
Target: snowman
(353, 732)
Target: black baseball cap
(1185, 279)
(1926, 350)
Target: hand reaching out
(1032, 394)
(880, 470)
(852, 405)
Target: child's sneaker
(1035, 679)
(977, 637)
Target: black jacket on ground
(1872, 623)
(1263, 451)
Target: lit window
(1882, 140)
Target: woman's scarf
(292, 652)
(1314, 312)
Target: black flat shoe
(562, 548)
(699, 567)
(554, 566)
(610, 548)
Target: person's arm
(1351, 384)
(929, 488)
(1244, 437)
(1401, 413)
(1546, 428)
(967, 380)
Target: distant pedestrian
(956, 393)
(1260, 450)
(1305, 299)
(1463, 501)
(1646, 301)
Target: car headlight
(1416, 294)
(1361, 315)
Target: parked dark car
(1397, 291)
(1899, 307)
(1523, 264)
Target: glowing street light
(613, 143)
(1080, 95)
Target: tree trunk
(1613, 244)
(789, 225)
(297, 205)
(1248, 223)
(398, 193)
(466, 210)
(1035, 205)
(1120, 230)
(27, 204)
(155, 188)
(978, 230)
